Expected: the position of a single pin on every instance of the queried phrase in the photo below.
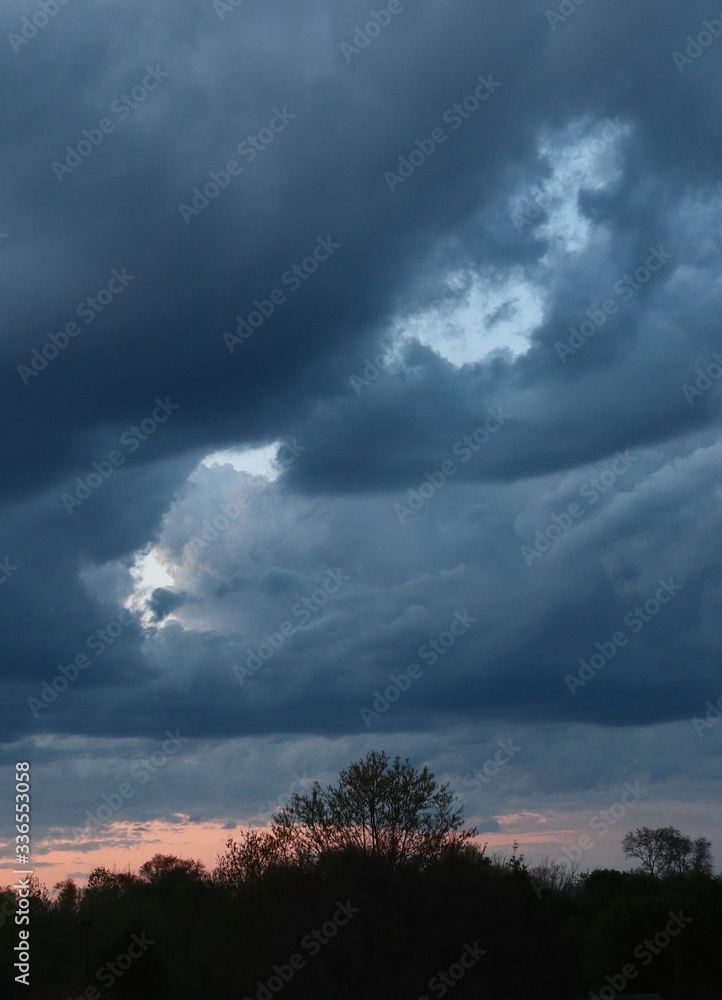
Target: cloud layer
(457, 271)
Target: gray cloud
(368, 490)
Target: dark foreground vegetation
(369, 891)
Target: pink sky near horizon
(128, 845)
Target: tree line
(376, 887)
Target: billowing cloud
(360, 379)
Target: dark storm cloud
(326, 174)
(504, 312)
(163, 601)
(312, 255)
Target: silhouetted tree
(247, 859)
(701, 860)
(103, 878)
(163, 866)
(665, 851)
(385, 810)
(408, 924)
(555, 875)
(68, 895)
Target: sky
(361, 380)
